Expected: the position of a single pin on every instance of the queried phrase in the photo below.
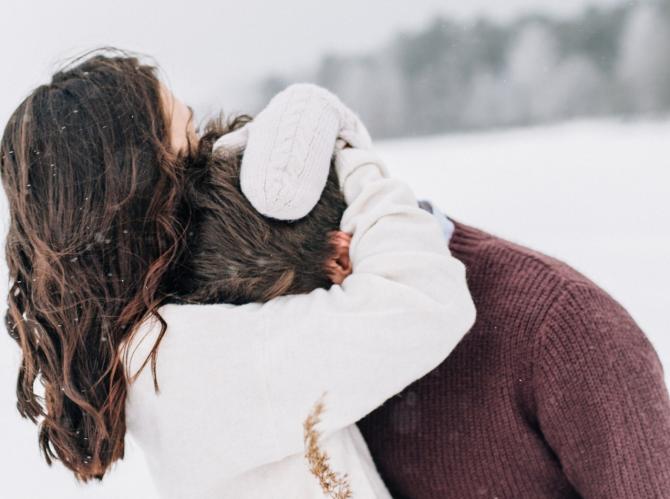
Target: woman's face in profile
(181, 121)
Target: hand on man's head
(289, 146)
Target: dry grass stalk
(334, 485)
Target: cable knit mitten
(288, 149)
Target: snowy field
(595, 194)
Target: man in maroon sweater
(554, 393)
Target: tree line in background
(455, 76)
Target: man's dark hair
(235, 254)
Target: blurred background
(543, 121)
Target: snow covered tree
(531, 63)
(644, 67)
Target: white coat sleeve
(395, 318)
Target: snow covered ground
(595, 194)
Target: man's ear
(338, 266)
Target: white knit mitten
(288, 149)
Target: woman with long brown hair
(99, 167)
(94, 190)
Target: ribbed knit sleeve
(601, 400)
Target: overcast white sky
(211, 49)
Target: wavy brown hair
(95, 198)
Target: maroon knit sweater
(554, 393)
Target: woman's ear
(338, 266)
